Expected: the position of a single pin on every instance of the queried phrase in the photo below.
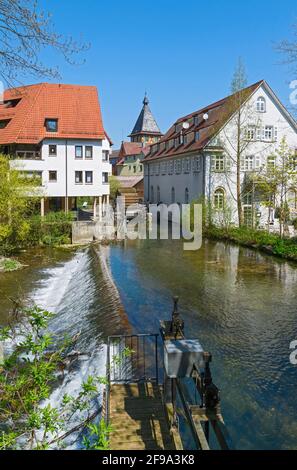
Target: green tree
(279, 179)
(28, 420)
(114, 186)
(18, 198)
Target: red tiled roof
(218, 114)
(76, 107)
(130, 148)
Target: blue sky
(182, 53)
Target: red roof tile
(76, 107)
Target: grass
(9, 264)
(259, 239)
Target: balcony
(28, 155)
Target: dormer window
(3, 123)
(196, 120)
(51, 125)
(261, 105)
(197, 136)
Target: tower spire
(146, 129)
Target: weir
(153, 381)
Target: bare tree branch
(25, 31)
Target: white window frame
(261, 104)
(219, 198)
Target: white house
(197, 156)
(55, 131)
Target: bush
(28, 376)
(53, 229)
(265, 241)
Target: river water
(242, 306)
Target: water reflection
(242, 306)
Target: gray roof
(146, 123)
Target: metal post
(156, 359)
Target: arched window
(172, 195)
(261, 104)
(219, 198)
(186, 196)
(292, 198)
(158, 195)
(152, 194)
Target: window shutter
(259, 132)
(275, 133)
(257, 161)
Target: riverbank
(269, 243)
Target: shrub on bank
(53, 229)
(265, 241)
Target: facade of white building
(196, 158)
(56, 132)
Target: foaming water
(86, 306)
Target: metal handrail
(127, 362)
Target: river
(239, 303)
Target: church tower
(146, 130)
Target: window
(52, 150)
(261, 105)
(172, 195)
(186, 196)
(248, 163)
(89, 152)
(186, 165)
(292, 199)
(4, 123)
(134, 168)
(196, 164)
(104, 177)
(78, 151)
(268, 133)
(140, 167)
(177, 166)
(197, 136)
(250, 133)
(219, 199)
(52, 176)
(78, 177)
(51, 125)
(185, 139)
(89, 177)
(105, 155)
(218, 163)
(196, 120)
(270, 162)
